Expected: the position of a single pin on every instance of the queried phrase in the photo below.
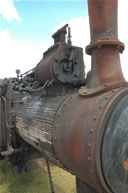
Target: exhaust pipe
(105, 46)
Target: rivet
(89, 144)
(55, 138)
(95, 118)
(105, 85)
(89, 158)
(91, 130)
(113, 91)
(118, 47)
(99, 47)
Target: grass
(35, 181)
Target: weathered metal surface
(77, 135)
(60, 35)
(105, 43)
(103, 19)
(34, 121)
(86, 92)
(62, 62)
(74, 130)
(105, 46)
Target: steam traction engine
(78, 124)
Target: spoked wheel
(81, 187)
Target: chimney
(105, 46)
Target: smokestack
(105, 46)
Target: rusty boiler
(77, 123)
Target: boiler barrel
(86, 136)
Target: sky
(26, 27)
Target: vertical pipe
(105, 46)
(103, 19)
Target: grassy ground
(35, 181)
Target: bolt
(99, 47)
(118, 47)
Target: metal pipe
(103, 19)
(105, 46)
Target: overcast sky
(26, 27)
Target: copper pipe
(105, 46)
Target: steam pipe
(105, 46)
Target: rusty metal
(59, 36)
(103, 19)
(67, 124)
(78, 135)
(67, 67)
(86, 92)
(105, 46)
(105, 43)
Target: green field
(35, 181)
